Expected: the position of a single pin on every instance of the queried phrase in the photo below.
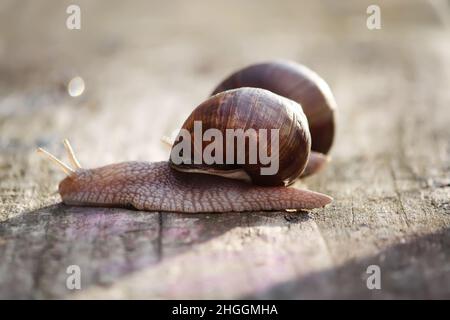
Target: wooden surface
(146, 65)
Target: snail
(191, 187)
(301, 84)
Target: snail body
(157, 187)
(189, 186)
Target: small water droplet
(76, 87)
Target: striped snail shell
(251, 108)
(298, 83)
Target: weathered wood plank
(145, 67)
(38, 247)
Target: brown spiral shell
(298, 83)
(254, 108)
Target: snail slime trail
(212, 147)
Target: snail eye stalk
(73, 159)
(67, 170)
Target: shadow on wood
(106, 243)
(413, 270)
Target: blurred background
(140, 67)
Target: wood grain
(146, 66)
